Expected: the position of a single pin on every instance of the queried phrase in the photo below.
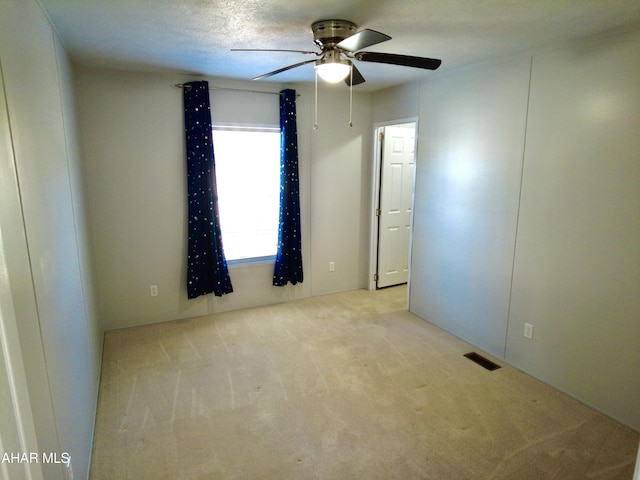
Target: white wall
(397, 103)
(341, 158)
(564, 255)
(577, 264)
(43, 236)
(470, 145)
(132, 131)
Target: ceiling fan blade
(362, 39)
(272, 50)
(403, 60)
(357, 77)
(284, 69)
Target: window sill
(251, 261)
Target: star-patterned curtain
(206, 264)
(289, 257)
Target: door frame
(16, 275)
(375, 198)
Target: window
(248, 180)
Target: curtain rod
(182, 85)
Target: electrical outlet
(332, 266)
(528, 331)
(153, 290)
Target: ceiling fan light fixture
(332, 68)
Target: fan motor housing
(331, 32)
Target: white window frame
(247, 128)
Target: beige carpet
(346, 386)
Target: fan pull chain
(315, 123)
(351, 98)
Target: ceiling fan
(340, 43)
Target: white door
(394, 214)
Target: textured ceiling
(195, 36)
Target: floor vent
(482, 361)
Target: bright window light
(248, 178)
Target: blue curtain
(206, 265)
(289, 257)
